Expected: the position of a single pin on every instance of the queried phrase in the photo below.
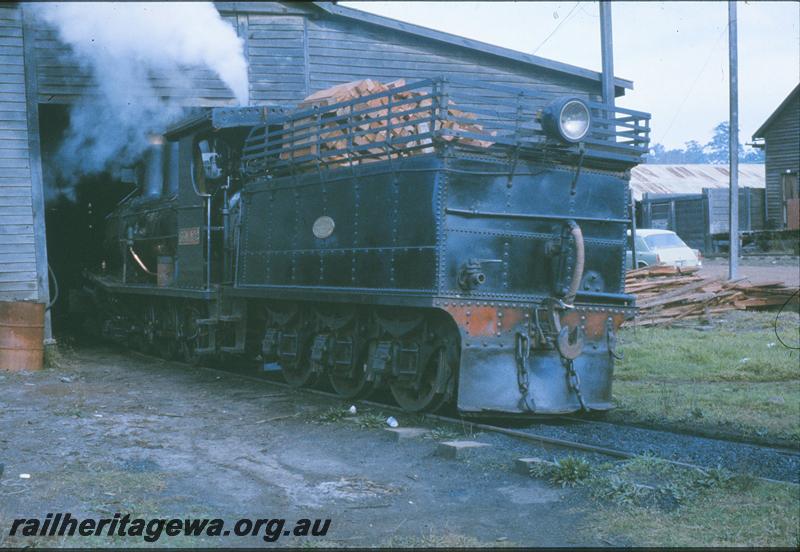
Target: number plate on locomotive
(189, 236)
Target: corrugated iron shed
(691, 179)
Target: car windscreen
(657, 241)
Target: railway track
(776, 465)
(716, 436)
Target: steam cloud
(137, 53)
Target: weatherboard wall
(782, 140)
(295, 51)
(18, 278)
(341, 50)
(63, 78)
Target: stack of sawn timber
(666, 294)
(409, 116)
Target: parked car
(662, 247)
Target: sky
(676, 53)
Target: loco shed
(484, 268)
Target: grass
(444, 433)
(364, 419)
(732, 352)
(649, 502)
(734, 379)
(652, 503)
(53, 357)
(444, 539)
(566, 472)
(371, 420)
(331, 415)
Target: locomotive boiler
(424, 238)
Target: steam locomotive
(451, 265)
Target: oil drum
(21, 336)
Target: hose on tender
(577, 273)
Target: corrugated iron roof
(691, 179)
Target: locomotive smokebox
(154, 166)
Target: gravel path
(757, 269)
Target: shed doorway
(75, 211)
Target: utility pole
(733, 143)
(607, 55)
(607, 51)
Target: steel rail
(688, 433)
(519, 434)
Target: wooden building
(293, 49)
(693, 200)
(781, 140)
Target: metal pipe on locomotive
(485, 269)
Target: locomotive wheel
(193, 336)
(299, 374)
(168, 348)
(147, 344)
(353, 386)
(138, 342)
(425, 397)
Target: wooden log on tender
(458, 114)
(399, 83)
(405, 108)
(342, 93)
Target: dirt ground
(112, 432)
(757, 269)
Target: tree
(694, 152)
(717, 148)
(715, 151)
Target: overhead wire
(694, 83)
(557, 28)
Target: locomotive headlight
(568, 119)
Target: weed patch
(443, 433)
(656, 503)
(371, 420)
(331, 415)
(566, 472)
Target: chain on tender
(574, 381)
(523, 353)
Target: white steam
(138, 54)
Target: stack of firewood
(666, 294)
(408, 115)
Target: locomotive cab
(173, 232)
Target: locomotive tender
(481, 268)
